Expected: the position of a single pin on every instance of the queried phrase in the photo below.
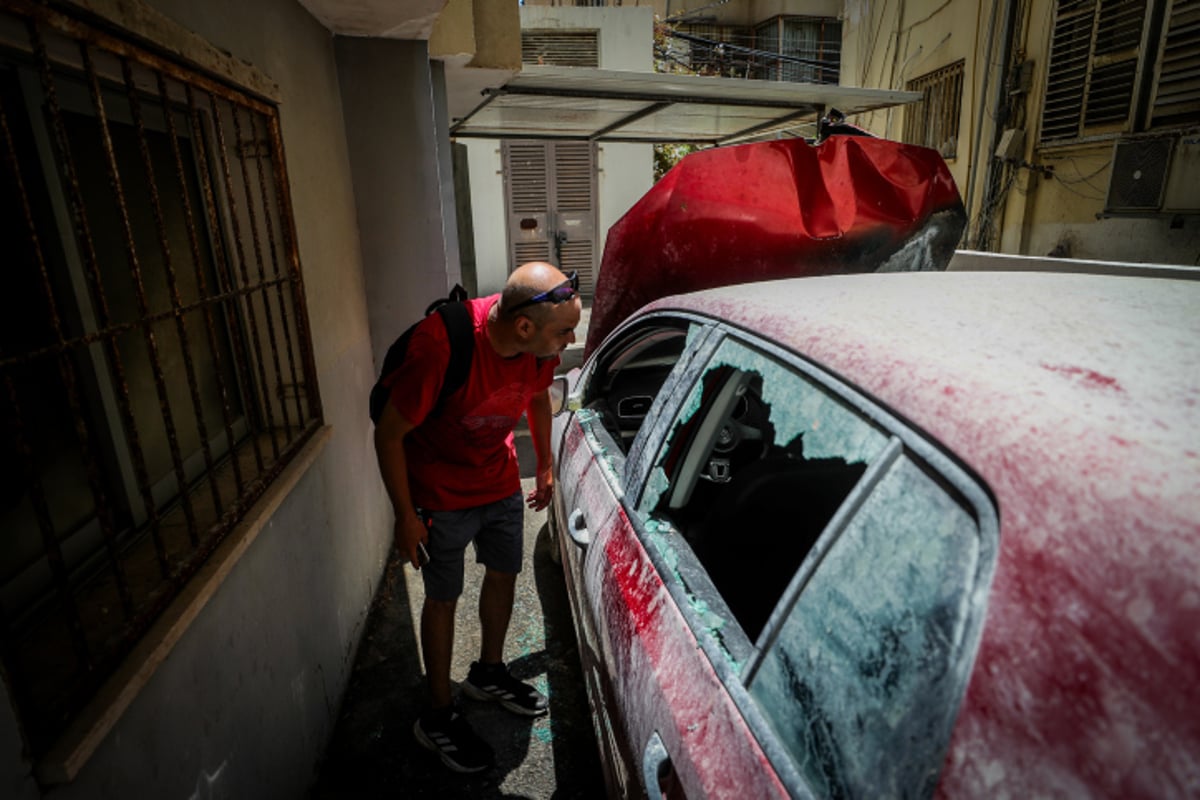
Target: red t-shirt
(465, 456)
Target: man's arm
(389, 449)
(538, 414)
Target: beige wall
(732, 12)
(885, 45)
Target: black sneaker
(493, 682)
(446, 732)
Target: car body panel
(778, 209)
(1077, 399)
(635, 631)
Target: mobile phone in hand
(422, 555)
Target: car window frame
(733, 657)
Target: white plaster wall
(400, 163)
(244, 704)
(626, 171)
(487, 213)
(625, 33)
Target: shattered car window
(752, 471)
(864, 680)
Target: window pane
(757, 465)
(864, 680)
(121, 292)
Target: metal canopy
(571, 103)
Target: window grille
(798, 49)
(1114, 69)
(933, 120)
(156, 369)
(560, 48)
(710, 49)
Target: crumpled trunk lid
(778, 209)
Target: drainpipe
(1010, 10)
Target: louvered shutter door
(551, 206)
(526, 182)
(574, 195)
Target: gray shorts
(496, 530)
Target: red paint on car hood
(775, 210)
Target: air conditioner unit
(1155, 175)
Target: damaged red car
(889, 535)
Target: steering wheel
(745, 424)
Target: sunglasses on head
(558, 294)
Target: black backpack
(461, 331)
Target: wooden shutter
(528, 200)
(1093, 66)
(574, 190)
(1177, 94)
(551, 205)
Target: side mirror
(558, 395)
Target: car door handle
(577, 528)
(658, 774)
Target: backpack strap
(461, 331)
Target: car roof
(1077, 399)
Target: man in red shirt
(453, 480)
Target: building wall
(1059, 215)
(886, 45)
(403, 183)
(759, 10)
(244, 703)
(625, 170)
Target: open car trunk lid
(778, 209)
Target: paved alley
(373, 753)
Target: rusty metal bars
(934, 121)
(248, 148)
(225, 367)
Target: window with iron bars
(1121, 66)
(709, 49)
(933, 120)
(798, 49)
(156, 368)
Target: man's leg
(437, 645)
(441, 728)
(499, 548)
(495, 611)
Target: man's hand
(540, 497)
(409, 531)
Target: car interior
(750, 507)
(627, 382)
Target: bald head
(526, 281)
(544, 328)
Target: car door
(656, 696)
(832, 567)
(619, 391)
(730, 528)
